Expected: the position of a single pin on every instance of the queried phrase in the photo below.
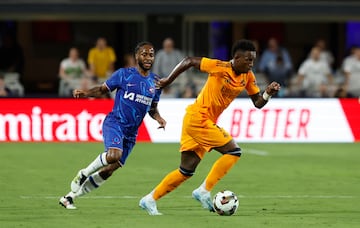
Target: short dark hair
(141, 44)
(243, 45)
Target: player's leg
(113, 141)
(211, 136)
(230, 155)
(110, 157)
(189, 161)
(95, 180)
(98, 178)
(188, 164)
(92, 182)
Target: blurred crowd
(315, 77)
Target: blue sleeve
(157, 95)
(115, 80)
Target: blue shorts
(114, 138)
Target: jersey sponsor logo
(129, 95)
(138, 98)
(130, 84)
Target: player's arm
(260, 100)
(97, 91)
(154, 113)
(185, 64)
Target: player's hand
(161, 82)
(78, 93)
(162, 123)
(273, 88)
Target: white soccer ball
(225, 202)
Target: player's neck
(142, 72)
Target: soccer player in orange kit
(200, 134)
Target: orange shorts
(201, 135)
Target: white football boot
(204, 198)
(149, 204)
(67, 202)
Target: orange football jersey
(221, 88)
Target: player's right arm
(185, 64)
(155, 114)
(97, 91)
(114, 82)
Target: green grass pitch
(279, 185)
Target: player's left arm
(185, 64)
(97, 91)
(260, 100)
(154, 113)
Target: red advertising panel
(282, 120)
(351, 109)
(52, 119)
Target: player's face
(145, 57)
(243, 61)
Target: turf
(279, 185)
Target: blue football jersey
(134, 95)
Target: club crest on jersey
(242, 83)
(116, 140)
(152, 90)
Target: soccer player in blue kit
(135, 96)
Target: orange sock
(219, 169)
(169, 183)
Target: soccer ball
(225, 202)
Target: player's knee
(113, 155)
(235, 152)
(186, 172)
(107, 171)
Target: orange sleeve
(209, 65)
(252, 87)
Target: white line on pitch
(256, 152)
(240, 196)
(300, 196)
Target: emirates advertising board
(281, 120)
